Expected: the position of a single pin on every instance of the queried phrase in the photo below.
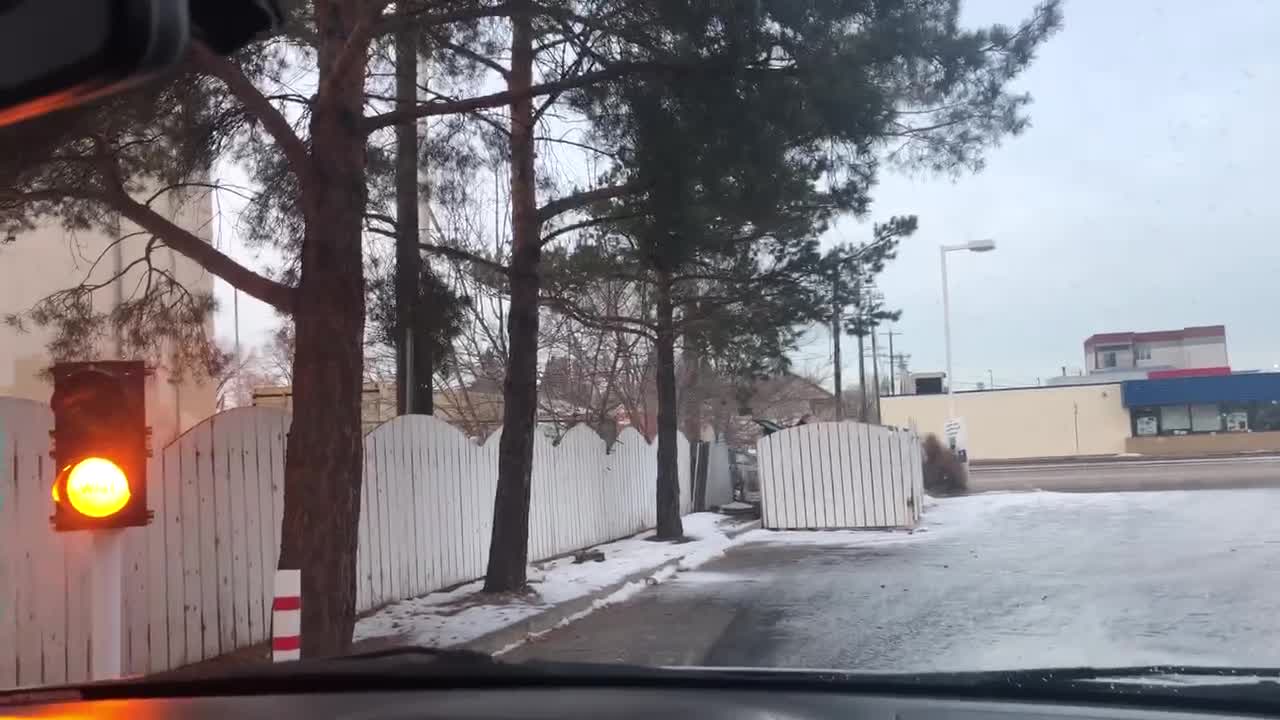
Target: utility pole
(408, 273)
(893, 369)
(875, 370)
(835, 339)
(862, 381)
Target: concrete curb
(519, 631)
(743, 528)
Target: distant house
(784, 400)
(1185, 349)
(1118, 356)
(377, 401)
(475, 409)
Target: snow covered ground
(461, 615)
(990, 582)
(941, 517)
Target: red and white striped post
(286, 617)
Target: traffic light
(100, 445)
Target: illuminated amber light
(97, 487)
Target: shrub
(944, 474)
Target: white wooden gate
(198, 579)
(840, 475)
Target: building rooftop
(1122, 338)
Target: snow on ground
(941, 517)
(461, 615)
(994, 581)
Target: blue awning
(1237, 388)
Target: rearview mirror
(60, 53)
(56, 54)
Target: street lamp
(975, 246)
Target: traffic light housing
(100, 445)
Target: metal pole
(408, 270)
(946, 333)
(875, 370)
(893, 369)
(107, 604)
(862, 380)
(835, 338)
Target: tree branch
(472, 55)
(584, 224)
(582, 199)
(399, 20)
(269, 291)
(459, 254)
(619, 323)
(295, 151)
(504, 98)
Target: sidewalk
(560, 592)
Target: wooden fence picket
(198, 580)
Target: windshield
(845, 334)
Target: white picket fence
(840, 475)
(198, 578)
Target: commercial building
(49, 258)
(1154, 393)
(1218, 412)
(1023, 422)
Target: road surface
(994, 581)
(1130, 475)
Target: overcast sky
(1141, 198)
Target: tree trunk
(322, 472)
(509, 548)
(670, 526)
(408, 276)
(424, 373)
(693, 390)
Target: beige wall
(50, 258)
(1032, 422)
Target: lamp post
(975, 246)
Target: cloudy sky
(1141, 198)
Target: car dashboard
(594, 703)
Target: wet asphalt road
(994, 581)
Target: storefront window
(1205, 418)
(1146, 421)
(1267, 416)
(1235, 418)
(1263, 416)
(1175, 419)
